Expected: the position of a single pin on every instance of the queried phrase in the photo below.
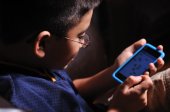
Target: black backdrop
(118, 23)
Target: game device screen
(139, 64)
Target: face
(62, 51)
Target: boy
(38, 38)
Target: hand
(160, 63)
(131, 96)
(129, 51)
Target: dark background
(118, 23)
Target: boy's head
(22, 18)
(52, 26)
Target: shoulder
(5, 81)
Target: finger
(147, 81)
(144, 85)
(131, 81)
(152, 68)
(160, 47)
(146, 73)
(160, 63)
(143, 98)
(136, 45)
(139, 43)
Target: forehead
(82, 25)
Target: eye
(81, 36)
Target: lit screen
(138, 65)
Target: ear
(39, 46)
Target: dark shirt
(38, 94)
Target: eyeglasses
(84, 40)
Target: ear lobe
(39, 47)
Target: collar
(16, 68)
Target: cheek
(58, 57)
(72, 51)
(66, 54)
